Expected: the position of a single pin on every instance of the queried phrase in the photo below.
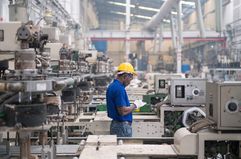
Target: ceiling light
(133, 6)
(188, 3)
(121, 13)
(143, 17)
(119, 4)
(166, 20)
(149, 9)
(138, 16)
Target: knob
(195, 92)
(232, 106)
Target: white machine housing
(188, 92)
(53, 33)
(53, 49)
(8, 39)
(163, 82)
(224, 105)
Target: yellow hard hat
(127, 68)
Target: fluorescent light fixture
(143, 17)
(120, 13)
(174, 13)
(139, 16)
(188, 3)
(133, 6)
(149, 9)
(120, 4)
(166, 20)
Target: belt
(124, 122)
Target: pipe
(163, 12)
(164, 38)
(11, 87)
(59, 85)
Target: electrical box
(163, 82)
(224, 105)
(8, 39)
(188, 92)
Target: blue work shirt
(116, 96)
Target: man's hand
(139, 103)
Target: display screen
(162, 84)
(180, 91)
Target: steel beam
(145, 35)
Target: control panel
(224, 105)
(163, 82)
(188, 92)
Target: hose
(203, 123)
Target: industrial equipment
(173, 118)
(223, 105)
(189, 91)
(8, 40)
(163, 82)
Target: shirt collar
(116, 80)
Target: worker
(64, 52)
(118, 106)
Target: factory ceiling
(141, 10)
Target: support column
(127, 42)
(200, 18)
(180, 39)
(25, 152)
(176, 45)
(219, 15)
(173, 31)
(180, 30)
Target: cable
(200, 124)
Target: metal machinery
(184, 105)
(211, 137)
(188, 92)
(95, 76)
(29, 92)
(223, 105)
(163, 82)
(161, 90)
(30, 99)
(222, 124)
(24, 90)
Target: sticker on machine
(41, 87)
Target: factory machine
(214, 136)
(25, 89)
(29, 96)
(184, 104)
(31, 103)
(33, 96)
